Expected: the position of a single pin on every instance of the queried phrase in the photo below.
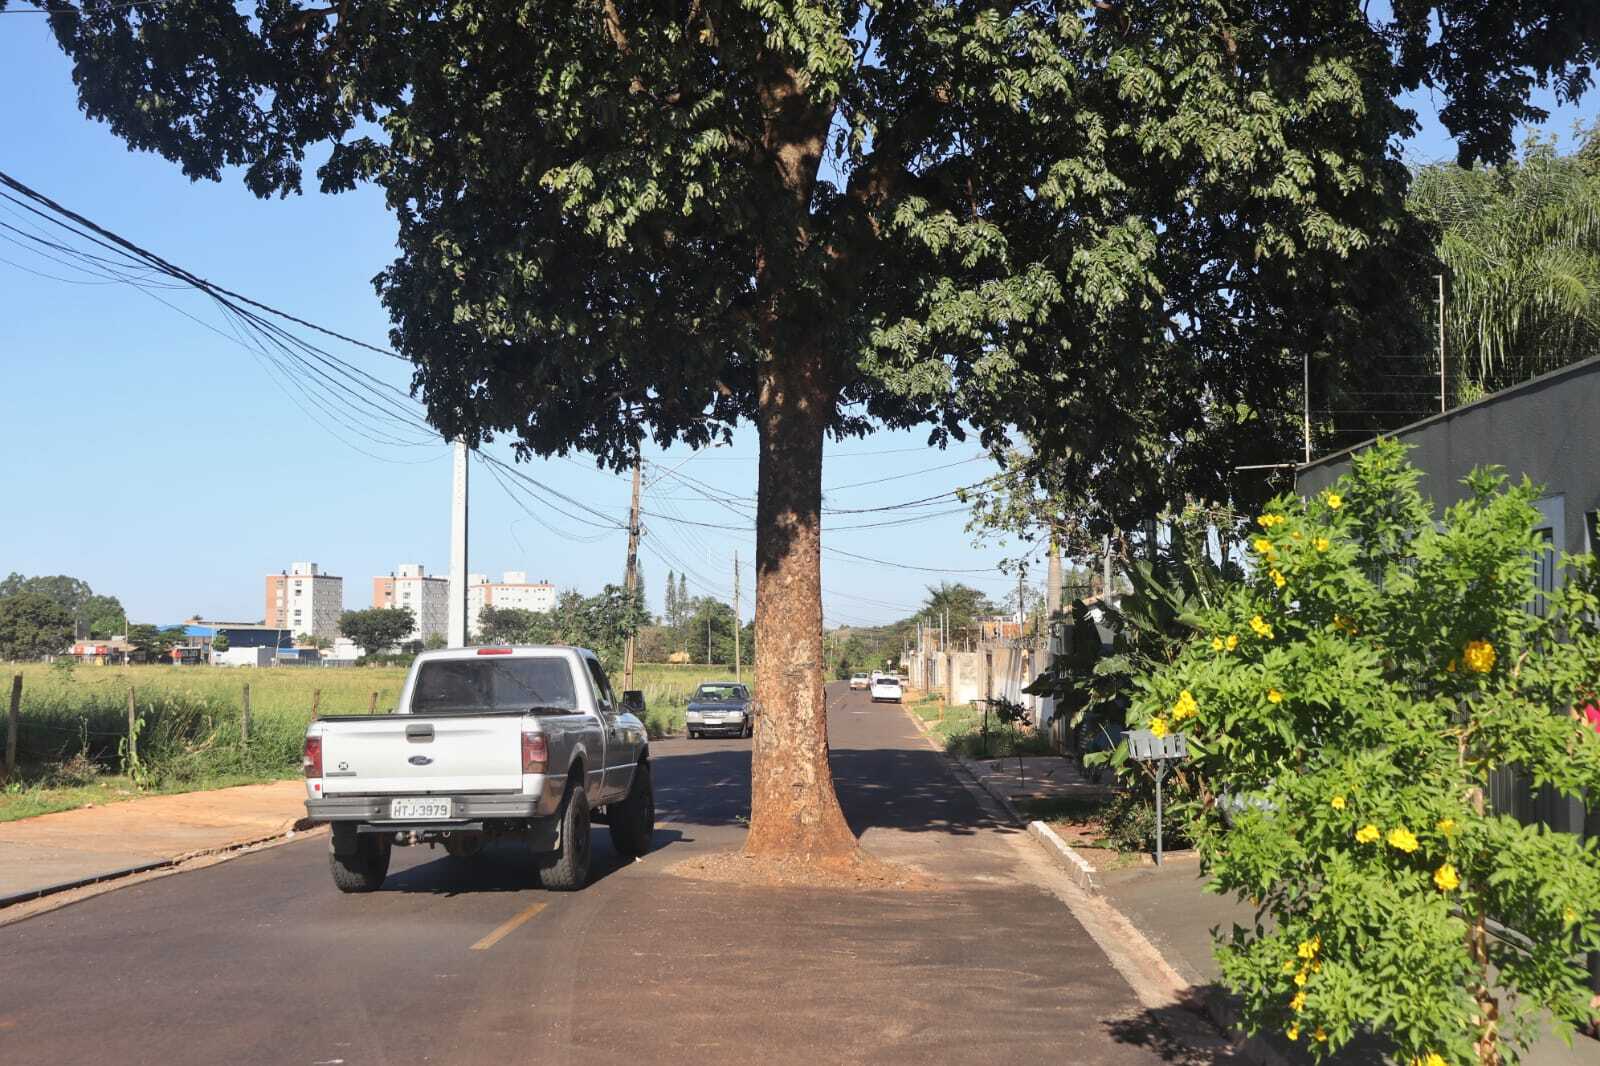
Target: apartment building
(427, 597)
(514, 590)
(305, 601)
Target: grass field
(74, 724)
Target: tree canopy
(376, 629)
(32, 625)
(1520, 246)
(99, 616)
(1113, 228)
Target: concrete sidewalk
(56, 851)
(1169, 904)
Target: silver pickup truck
(524, 742)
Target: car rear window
(895, 681)
(476, 686)
(720, 692)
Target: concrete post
(457, 619)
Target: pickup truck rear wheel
(633, 821)
(567, 870)
(363, 869)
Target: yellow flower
(1344, 624)
(1367, 834)
(1401, 839)
(1316, 965)
(1261, 628)
(1216, 643)
(1445, 825)
(1320, 1036)
(1277, 578)
(1293, 1032)
(1308, 948)
(1450, 667)
(1568, 915)
(1300, 979)
(1289, 965)
(1479, 656)
(1186, 707)
(1298, 1002)
(1446, 878)
(1432, 1058)
(1263, 546)
(1321, 544)
(1158, 726)
(1335, 501)
(1295, 534)
(1337, 803)
(1274, 696)
(1233, 641)
(1267, 521)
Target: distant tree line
(43, 615)
(601, 623)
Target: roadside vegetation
(73, 728)
(960, 727)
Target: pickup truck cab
(513, 742)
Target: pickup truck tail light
(312, 760)
(535, 753)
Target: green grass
(22, 800)
(1078, 810)
(961, 731)
(76, 720)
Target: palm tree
(1520, 244)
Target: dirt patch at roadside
(859, 870)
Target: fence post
(244, 716)
(316, 703)
(133, 731)
(372, 704)
(11, 724)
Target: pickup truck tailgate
(422, 755)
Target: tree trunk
(794, 812)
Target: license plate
(711, 721)
(414, 810)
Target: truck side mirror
(633, 701)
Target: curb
(1078, 868)
(299, 826)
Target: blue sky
(166, 465)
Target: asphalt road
(260, 960)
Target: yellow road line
(506, 928)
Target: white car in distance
(859, 681)
(886, 689)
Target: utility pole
(1052, 581)
(1105, 582)
(738, 659)
(630, 579)
(708, 636)
(1440, 278)
(1306, 400)
(1022, 605)
(457, 615)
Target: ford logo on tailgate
(419, 760)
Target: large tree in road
(623, 220)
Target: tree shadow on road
(1182, 1034)
(507, 866)
(911, 790)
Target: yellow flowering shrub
(1355, 813)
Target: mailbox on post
(1144, 746)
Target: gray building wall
(1547, 429)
